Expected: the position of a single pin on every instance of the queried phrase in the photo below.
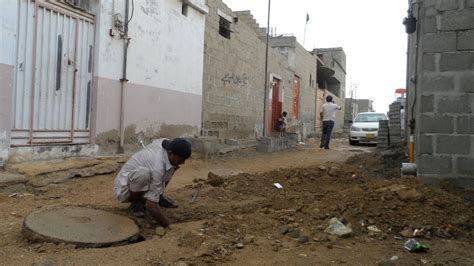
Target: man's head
(284, 114)
(178, 150)
(329, 99)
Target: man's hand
(156, 212)
(166, 202)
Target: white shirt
(329, 111)
(155, 158)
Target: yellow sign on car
(370, 136)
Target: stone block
(456, 61)
(431, 11)
(466, 83)
(470, 3)
(454, 104)
(428, 3)
(430, 25)
(446, 5)
(465, 125)
(427, 104)
(428, 62)
(452, 144)
(457, 20)
(207, 146)
(465, 40)
(465, 165)
(437, 83)
(425, 145)
(232, 142)
(435, 164)
(436, 124)
(439, 42)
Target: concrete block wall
(233, 83)
(443, 70)
(395, 124)
(306, 70)
(336, 59)
(269, 144)
(383, 135)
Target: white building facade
(77, 75)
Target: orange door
(276, 103)
(296, 98)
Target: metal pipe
(411, 149)
(124, 79)
(408, 169)
(74, 81)
(33, 67)
(266, 73)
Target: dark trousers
(326, 136)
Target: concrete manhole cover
(82, 227)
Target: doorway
(276, 103)
(53, 78)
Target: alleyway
(244, 219)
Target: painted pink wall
(145, 106)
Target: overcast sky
(370, 32)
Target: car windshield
(367, 118)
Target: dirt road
(245, 220)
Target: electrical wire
(133, 10)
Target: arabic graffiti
(240, 80)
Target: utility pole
(266, 73)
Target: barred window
(224, 27)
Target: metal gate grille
(53, 75)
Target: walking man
(328, 116)
(144, 177)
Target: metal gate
(53, 80)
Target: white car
(365, 127)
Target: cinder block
(428, 62)
(431, 11)
(425, 145)
(456, 61)
(436, 124)
(430, 25)
(466, 83)
(465, 125)
(446, 5)
(465, 40)
(457, 20)
(439, 42)
(428, 3)
(232, 142)
(437, 83)
(465, 165)
(427, 104)
(453, 144)
(435, 164)
(450, 104)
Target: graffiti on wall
(239, 80)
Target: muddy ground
(239, 217)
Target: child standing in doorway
(282, 124)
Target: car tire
(353, 142)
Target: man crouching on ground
(144, 177)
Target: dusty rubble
(377, 206)
(246, 219)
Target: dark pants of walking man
(326, 136)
